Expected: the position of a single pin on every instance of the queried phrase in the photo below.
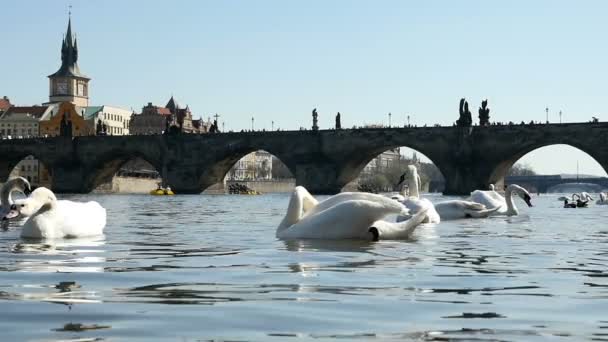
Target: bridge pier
(318, 178)
(68, 179)
(462, 181)
(182, 179)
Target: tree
(520, 169)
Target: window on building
(23, 168)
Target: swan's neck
(414, 186)
(300, 203)
(511, 208)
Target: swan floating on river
(48, 220)
(6, 199)
(492, 199)
(344, 216)
(446, 210)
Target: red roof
(163, 111)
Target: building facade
(254, 166)
(108, 120)
(383, 161)
(156, 120)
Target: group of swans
(348, 215)
(48, 218)
(481, 204)
(580, 200)
(358, 215)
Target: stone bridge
(545, 183)
(322, 161)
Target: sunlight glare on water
(209, 267)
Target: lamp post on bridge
(560, 116)
(272, 125)
(389, 120)
(408, 121)
(223, 126)
(547, 114)
(252, 123)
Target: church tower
(68, 83)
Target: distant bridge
(323, 161)
(544, 183)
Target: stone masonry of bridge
(323, 161)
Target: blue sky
(277, 60)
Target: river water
(198, 268)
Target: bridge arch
(245, 164)
(501, 169)
(107, 165)
(388, 165)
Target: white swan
(48, 220)
(603, 199)
(413, 201)
(459, 209)
(491, 199)
(446, 210)
(6, 198)
(344, 216)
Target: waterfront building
(114, 120)
(66, 121)
(383, 161)
(254, 166)
(155, 120)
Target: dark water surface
(197, 268)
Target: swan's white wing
(416, 205)
(491, 199)
(349, 196)
(349, 219)
(81, 219)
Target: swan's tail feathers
(400, 230)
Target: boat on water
(160, 191)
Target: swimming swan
(48, 220)
(413, 201)
(6, 199)
(344, 217)
(446, 210)
(491, 199)
(603, 199)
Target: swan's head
(29, 206)
(491, 187)
(523, 193)
(410, 173)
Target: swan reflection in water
(68, 255)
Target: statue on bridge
(484, 114)
(65, 127)
(315, 126)
(338, 124)
(465, 119)
(101, 128)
